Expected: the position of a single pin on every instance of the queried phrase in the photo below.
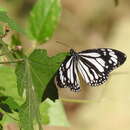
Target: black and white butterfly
(94, 65)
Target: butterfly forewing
(108, 58)
(94, 66)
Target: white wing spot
(101, 61)
(107, 66)
(90, 54)
(113, 54)
(104, 53)
(103, 49)
(114, 60)
(110, 61)
(109, 49)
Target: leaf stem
(77, 100)
(16, 61)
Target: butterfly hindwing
(91, 74)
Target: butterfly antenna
(62, 43)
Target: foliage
(27, 90)
(4, 18)
(43, 19)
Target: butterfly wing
(95, 65)
(67, 75)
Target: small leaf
(11, 103)
(5, 107)
(43, 19)
(44, 107)
(15, 40)
(16, 47)
(8, 83)
(55, 113)
(4, 18)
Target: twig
(77, 100)
(16, 61)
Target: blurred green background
(88, 24)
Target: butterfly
(94, 66)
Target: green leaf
(21, 77)
(43, 69)
(44, 109)
(34, 75)
(8, 90)
(15, 40)
(16, 45)
(9, 118)
(55, 113)
(28, 111)
(43, 19)
(5, 107)
(8, 104)
(8, 83)
(11, 103)
(26, 117)
(4, 18)
(3, 9)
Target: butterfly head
(74, 54)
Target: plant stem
(77, 100)
(8, 62)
